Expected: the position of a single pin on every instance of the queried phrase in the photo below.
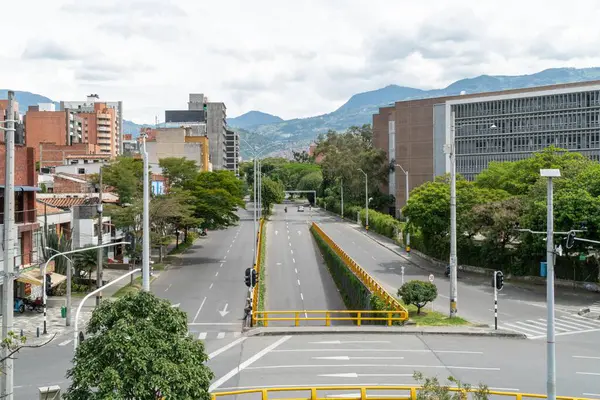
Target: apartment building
(43, 124)
(107, 128)
(183, 142)
(51, 155)
(232, 151)
(507, 125)
(208, 115)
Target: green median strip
(262, 284)
(433, 318)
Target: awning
(34, 278)
(24, 188)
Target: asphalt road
(297, 277)
(375, 359)
(209, 283)
(521, 308)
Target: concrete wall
(439, 139)
(215, 126)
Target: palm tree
(55, 243)
(87, 262)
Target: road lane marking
(298, 282)
(296, 270)
(221, 266)
(221, 335)
(290, 244)
(589, 373)
(225, 258)
(237, 334)
(66, 342)
(214, 323)
(587, 357)
(247, 363)
(592, 394)
(198, 312)
(355, 375)
(349, 341)
(217, 274)
(228, 250)
(373, 257)
(202, 336)
(302, 297)
(169, 287)
(291, 251)
(226, 347)
(294, 260)
(348, 358)
(379, 350)
(211, 285)
(377, 366)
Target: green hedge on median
(356, 296)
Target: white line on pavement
(588, 373)
(592, 394)
(225, 258)
(291, 251)
(301, 296)
(374, 366)
(202, 336)
(225, 348)
(587, 357)
(66, 342)
(198, 312)
(298, 282)
(168, 287)
(247, 363)
(296, 270)
(217, 274)
(221, 266)
(294, 260)
(348, 341)
(228, 250)
(348, 358)
(379, 350)
(221, 335)
(214, 323)
(211, 285)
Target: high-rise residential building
(507, 125)
(89, 107)
(210, 115)
(232, 151)
(180, 142)
(43, 124)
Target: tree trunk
(160, 253)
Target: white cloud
(293, 59)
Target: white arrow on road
(224, 312)
(347, 358)
(355, 375)
(344, 342)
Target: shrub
(384, 224)
(417, 293)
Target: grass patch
(262, 284)
(125, 290)
(183, 246)
(433, 318)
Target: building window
(81, 170)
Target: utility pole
(406, 202)
(146, 219)
(366, 199)
(255, 205)
(453, 258)
(100, 250)
(7, 374)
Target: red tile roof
(46, 208)
(68, 202)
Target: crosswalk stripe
(221, 335)
(237, 334)
(585, 321)
(202, 335)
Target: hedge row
(384, 224)
(355, 294)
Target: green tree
(126, 176)
(166, 213)
(138, 347)
(56, 243)
(311, 181)
(216, 197)
(272, 193)
(86, 262)
(302, 157)
(179, 171)
(417, 293)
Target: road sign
(431, 278)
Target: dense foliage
(418, 293)
(506, 194)
(138, 347)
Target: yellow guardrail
(328, 315)
(365, 278)
(362, 393)
(258, 265)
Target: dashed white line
(292, 251)
(373, 257)
(296, 270)
(221, 335)
(228, 250)
(225, 258)
(211, 285)
(198, 312)
(221, 266)
(298, 282)
(301, 296)
(294, 260)
(290, 244)
(169, 287)
(588, 373)
(202, 335)
(217, 274)
(66, 342)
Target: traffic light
(499, 280)
(48, 284)
(247, 277)
(250, 277)
(570, 239)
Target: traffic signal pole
(496, 300)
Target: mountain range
(259, 128)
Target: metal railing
(362, 393)
(389, 317)
(255, 292)
(364, 277)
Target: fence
(346, 315)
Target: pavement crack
(422, 339)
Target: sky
(288, 58)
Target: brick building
(52, 154)
(507, 125)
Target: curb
(422, 331)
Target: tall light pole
(550, 336)
(7, 372)
(146, 218)
(255, 182)
(450, 149)
(366, 198)
(405, 203)
(342, 195)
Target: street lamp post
(405, 203)
(550, 335)
(146, 219)
(45, 267)
(450, 149)
(366, 199)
